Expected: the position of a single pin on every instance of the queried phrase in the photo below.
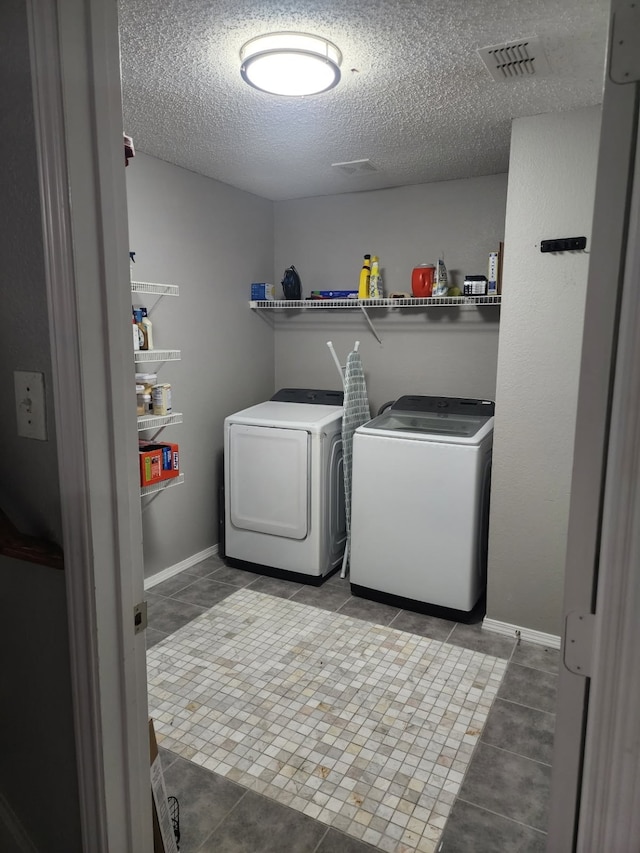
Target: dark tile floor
(502, 805)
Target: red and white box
(158, 461)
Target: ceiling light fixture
(291, 64)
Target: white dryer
(284, 487)
(420, 504)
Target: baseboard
(528, 634)
(170, 571)
(13, 829)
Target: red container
(422, 280)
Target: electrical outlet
(30, 405)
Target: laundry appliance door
(436, 426)
(269, 480)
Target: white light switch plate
(30, 406)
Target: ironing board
(356, 412)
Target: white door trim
(78, 116)
(606, 265)
(609, 815)
(576, 776)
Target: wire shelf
(153, 287)
(156, 355)
(161, 486)
(410, 302)
(157, 421)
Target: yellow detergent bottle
(365, 276)
(375, 283)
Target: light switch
(30, 406)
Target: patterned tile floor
(502, 804)
(366, 728)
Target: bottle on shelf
(143, 401)
(375, 282)
(161, 399)
(136, 335)
(440, 281)
(365, 277)
(147, 327)
(146, 381)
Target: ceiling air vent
(355, 167)
(523, 58)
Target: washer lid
(431, 426)
(307, 416)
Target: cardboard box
(492, 275)
(262, 290)
(334, 294)
(475, 285)
(158, 461)
(164, 839)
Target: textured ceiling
(414, 98)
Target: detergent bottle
(365, 277)
(147, 330)
(375, 283)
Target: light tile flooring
(367, 728)
(503, 800)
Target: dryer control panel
(309, 395)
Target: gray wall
(213, 241)
(551, 190)
(37, 770)
(436, 351)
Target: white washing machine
(420, 504)
(284, 486)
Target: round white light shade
(292, 64)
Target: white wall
(437, 351)
(213, 241)
(551, 191)
(37, 765)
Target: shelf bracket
(155, 290)
(151, 307)
(371, 326)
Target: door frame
(77, 107)
(609, 818)
(602, 528)
(75, 65)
